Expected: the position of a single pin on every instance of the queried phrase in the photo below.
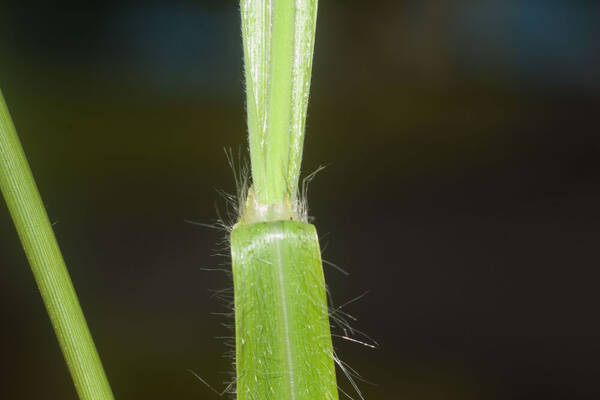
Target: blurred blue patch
(177, 47)
(536, 43)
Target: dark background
(463, 191)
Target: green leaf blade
(50, 272)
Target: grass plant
(283, 339)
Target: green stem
(283, 342)
(51, 275)
(278, 50)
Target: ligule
(283, 340)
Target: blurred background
(462, 192)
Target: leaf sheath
(283, 341)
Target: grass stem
(283, 340)
(278, 51)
